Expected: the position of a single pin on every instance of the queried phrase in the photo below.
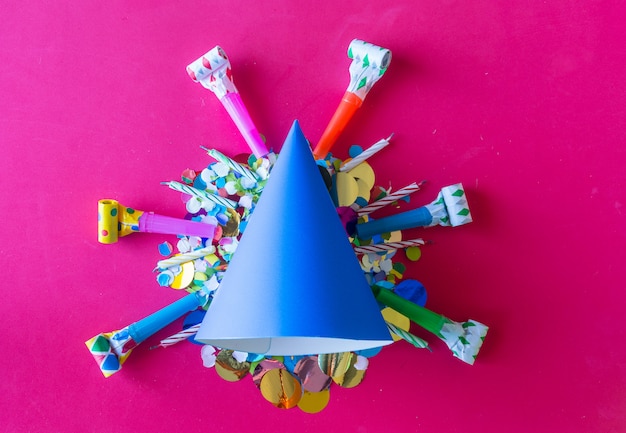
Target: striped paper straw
(203, 195)
(232, 164)
(388, 246)
(388, 199)
(376, 147)
(407, 336)
(187, 257)
(177, 338)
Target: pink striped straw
(394, 196)
(388, 246)
(181, 336)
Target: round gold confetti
(364, 189)
(364, 172)
(352, 377)
(185, 277)
(395, 236)
(400, 320)
(314, 402)
(228, 368)
(231, 228)
(281, 388)
(335, 365)
(347, 189)
(264, 366)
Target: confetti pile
(200, 264)
(223, 196)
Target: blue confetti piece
(368, 353)
(199, 183)
(355, 150)
(165, 249)
(412, 290)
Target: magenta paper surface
(523, 105)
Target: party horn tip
(209, 66)
(110, 350)
(455, 202)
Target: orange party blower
(369, 63)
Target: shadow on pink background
(523, 105)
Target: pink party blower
(213, 71)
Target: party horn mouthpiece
(369, 63)
(449, 209)
(116, 220)
(111, 349)
(213, 71)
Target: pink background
(523, 105)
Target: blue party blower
(450, 208)
(111, 349)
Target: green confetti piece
(400, 267)
(413, 253)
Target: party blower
(450, 208)
(369, 63)
(213, 71)
(463, 339)
(116, 220)
(111, 349)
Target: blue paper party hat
(294, 285)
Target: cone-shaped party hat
(294, 285)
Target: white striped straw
(389, 246)
(232, 164)
(374, 148)
(177, 338)
(203, 195)
(187, 257)
(390, 198)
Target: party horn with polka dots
(449, 209)
(213, 71)
(369, 63)
(116, 220)
(111, 349)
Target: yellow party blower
(116, 220)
